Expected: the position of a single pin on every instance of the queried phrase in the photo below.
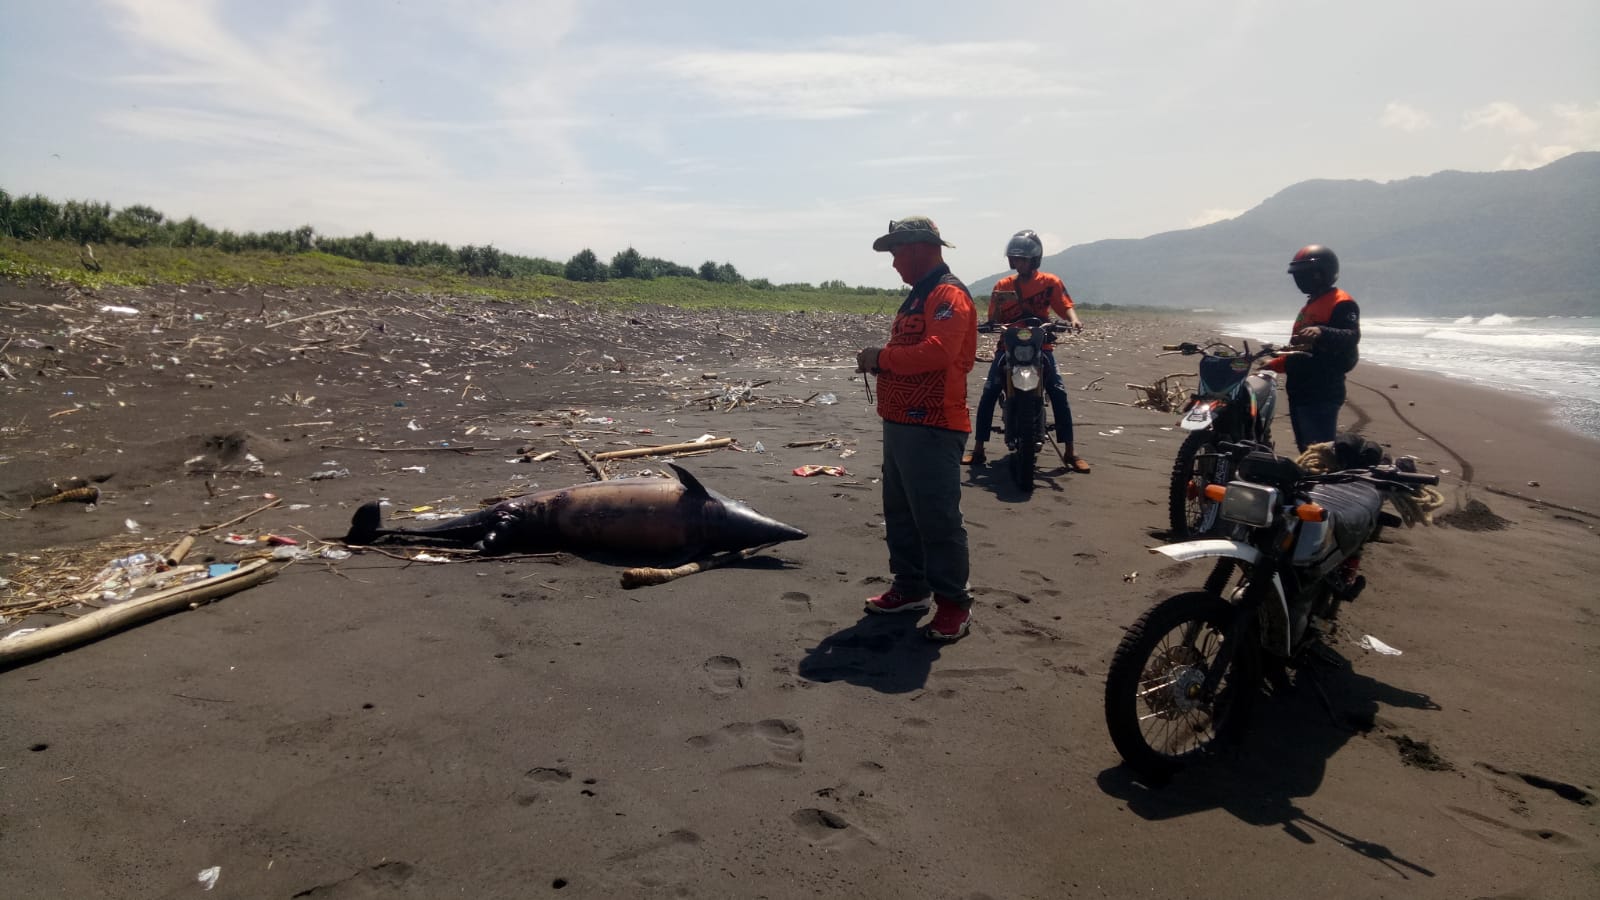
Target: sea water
(1555, 358)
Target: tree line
(38, 218)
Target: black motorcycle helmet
(1025, 244)
(1315, 269)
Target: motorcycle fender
(1025, 378)
(1198, 418)
(1275, 625)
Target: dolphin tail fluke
(366, 524)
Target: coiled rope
(1320, 459)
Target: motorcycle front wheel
(1191, 514)
(1155, 712)
(1022, 424)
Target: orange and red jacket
(1334, 352)
(922, 371)
(1038, 296)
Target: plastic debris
(216, 569)
(330, 473)
(430, 557)
(208, 877)
(420, 470)
(131, 525)
(242, 540)
(826, 399)
(119, 310)
(334, 553)
(810, 470)
(1368, 642)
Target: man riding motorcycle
(1029, 293)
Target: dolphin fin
(690, 483)
(365, 525)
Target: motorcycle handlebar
(1410, 477)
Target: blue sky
(778, 137)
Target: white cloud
(1404, 117)
(1499, 116)
(1208, 216)
(1574, 128)
(851, 78)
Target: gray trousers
(922, 511)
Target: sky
(779, 137)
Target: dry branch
(102, 622)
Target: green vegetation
(123, 265)
(140, 245)
(90, 244)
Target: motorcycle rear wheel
(1190, 513)
(1154, 714)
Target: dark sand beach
(378, 727)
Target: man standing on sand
(1329, 329)
(922, 399)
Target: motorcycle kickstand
(1060, 454)
(1322, 695)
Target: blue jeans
(922, 511)
(994, 385)
(1314, 422)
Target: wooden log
(588, 460)
(179, 550)
(102, 622)
(663, 450)
(645, 575)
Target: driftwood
(316, 315)
(237, 519)
(179, 550)
(663, 450)
(644, 576)
(405, 449)
(102, 622)
(589, 460)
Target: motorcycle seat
(1352, 512)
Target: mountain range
(1447, 244)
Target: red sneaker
(950, 623)
(894, 601)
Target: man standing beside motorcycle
(922, 398)
(1328, 329)
(1029, 293)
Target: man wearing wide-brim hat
(922, 399)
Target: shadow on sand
(1283, 757)
(884, 652)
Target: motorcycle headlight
(1249, 504)
(1022, 353)
(1025, 378)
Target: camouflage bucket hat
(910, 230)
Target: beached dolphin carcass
(644, 516)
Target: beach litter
(1368, 642)
(808, 471)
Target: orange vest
(1039, 296)
(922, 378)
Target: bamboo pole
(645, 576)
(663, 449)
(106, 621)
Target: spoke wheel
(1156, 708)
(1190, 512)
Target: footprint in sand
(797, 600)
(1495, 830)
(725, 672)
(828, 829)
(782, 739)
(1569, 792)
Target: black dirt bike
(1023, 405)
(1187, 673)
(1229, 404)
